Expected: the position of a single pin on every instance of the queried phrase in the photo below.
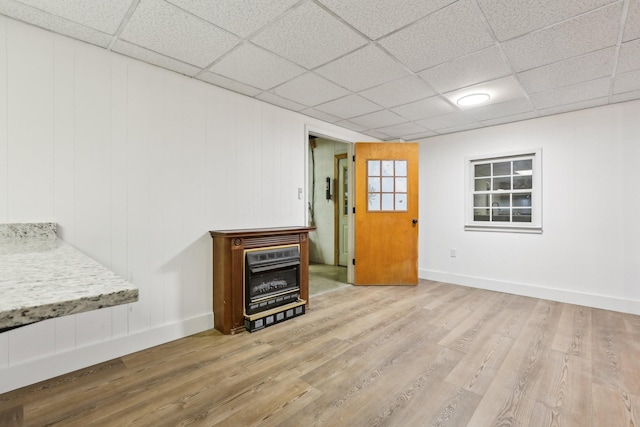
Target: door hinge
(353, 261)
(353, 159)
(354, 210)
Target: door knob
(414, 221)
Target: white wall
(321, 249)
(135, 164)
(589, 250)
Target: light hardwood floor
(431, 355)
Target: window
(504, 193)
(387, 185)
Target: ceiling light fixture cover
(473, 99)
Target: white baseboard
(50, 366)
(554, 294)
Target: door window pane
(387, 184)
(387, 168)
(401, 185)
(373, 167)
(387, 202)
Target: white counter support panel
(42, 277)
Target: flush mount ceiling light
(473, 99)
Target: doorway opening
(328, 210)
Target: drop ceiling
(392, 69)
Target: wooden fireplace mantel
(228, 269)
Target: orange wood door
(386, 202)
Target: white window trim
(535, 226)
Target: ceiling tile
(627, 82)
(572, 71)
(154, 58)
(167, 29)
(449, 33)
(310, 89)
(487, 64)
(248, 62)
(421, 135)
(571, 94)
(401, 129)
(103, 16)
(53, 23)
(460, 128)
(309, 36)
(378, 119)
(241, 17)
(584, 34)
(226, 83)
(627, 96)
(502, 109)
(398, 92)
(349, 106)
(629, 56)
(362, 69)
(597, 102)
(320, 115)
(513, 18)
(376, 18)
(499, 90)
(350, 125)
(376, 134)
(447, 121)
(632, 27)
(510, 119)
(429, 107)
(280, 102)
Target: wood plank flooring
(430, 355)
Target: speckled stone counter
(42, 277)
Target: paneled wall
(589, 250)
(135, 164)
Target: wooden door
(386, 216)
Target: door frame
(321, 132)
(337, 193)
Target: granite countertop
(42, 277)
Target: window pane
(387, 168)
(521, 182)
(483, 184)
(387, 202)
(401, 202)
(387, 185)
(523, 167)
(374, 201)
(502, 183)
(481, 214)
(482, 170)
(374, 167)
(522, 199)
(401, 168)
(401, 185)
(501, 200)
(522, 215)
(500, 214)
(374, 185)
(480, 200)
(502, 168)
